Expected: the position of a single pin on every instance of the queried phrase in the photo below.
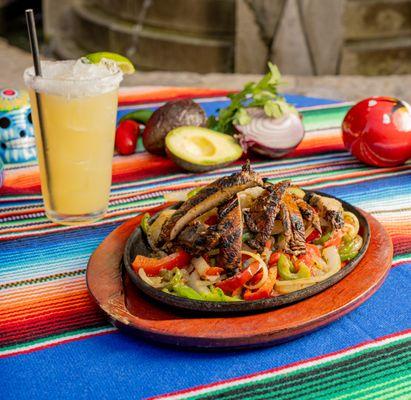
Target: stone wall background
(303, 37)
(317, 37)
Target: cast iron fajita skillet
(137, 245)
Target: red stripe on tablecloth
(155, 95)
(125, 168)
(48, 313)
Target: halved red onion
(272, 137)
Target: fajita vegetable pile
(241, 238)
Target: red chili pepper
(126, 137)
(264, 291)
(233, 283)
(313, 236)
(274, 258)
(335, 239)
(153, 266)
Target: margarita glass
(75, 139)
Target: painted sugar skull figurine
(16, 128)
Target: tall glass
(75, 146)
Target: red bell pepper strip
(307, 258)
(235, 282)
(313, 236)
(274, 258)
(256, 278)
(264, 291)
(335, 239)
(153, 266)
(213, 271)
(245, 257)
(313, 249)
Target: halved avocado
(199, 149)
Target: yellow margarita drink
(75, 139)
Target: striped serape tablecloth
(55, 343)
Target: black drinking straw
(34, 47)
(34, 44)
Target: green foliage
(261, 94)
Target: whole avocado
(171, 115)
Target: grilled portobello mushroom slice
(294, 230)
(308, 213)
(260, 218)
(212, 195)
(230, 227)
(328, 208)
(198, 238)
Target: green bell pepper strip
(287, 272)
(354, 244)
(141, 116)
(174, 277)
(177, 287)
(144, 222)
(187, 292)
(216, 294)
(348, 256)
(324, 238)
(350, 250)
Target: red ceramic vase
(377, 131)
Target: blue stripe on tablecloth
(30, 257)
(121, 367)
(211, 107)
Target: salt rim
(74, 78)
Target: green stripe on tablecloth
(401, 258)
(323, 380)
(323, 118)
(373, 372)
(60, 337)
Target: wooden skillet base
(129, 309)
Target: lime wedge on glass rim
(123, 63)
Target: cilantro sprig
(261, 94)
